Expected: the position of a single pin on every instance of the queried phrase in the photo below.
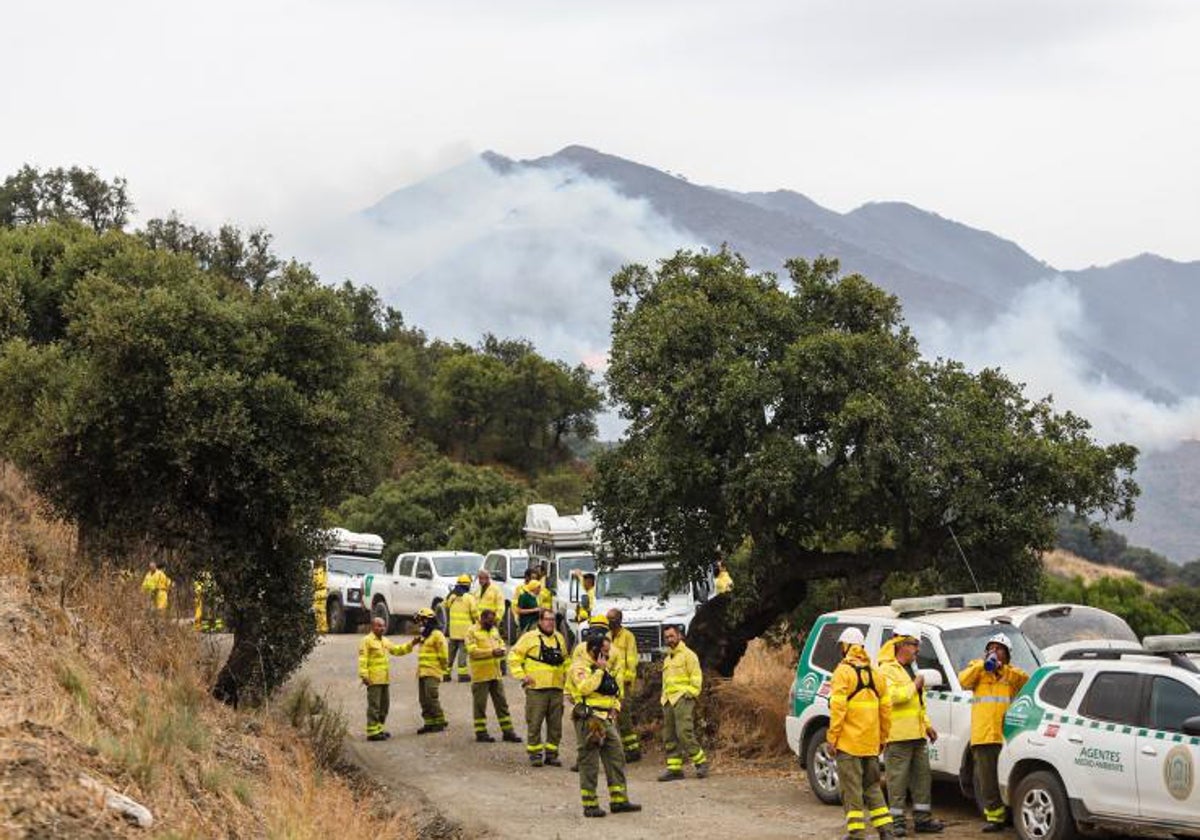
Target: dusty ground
(491, 790)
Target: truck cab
(416, 580)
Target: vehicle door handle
(1149, 751)
(1033, 742)
(1075, 739)
(413, 583)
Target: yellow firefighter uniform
(909, 720)
(492, 599)
(993, 693)
(156, 584)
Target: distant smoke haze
(1031, 343)
(527, 253)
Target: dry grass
(1067, 565)
(750, 708)
(97, 684)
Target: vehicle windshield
(464, 564)
(967, 643)
(583, 562)
(632, 583)
(1076, 624)
(355, 565)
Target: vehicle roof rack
(1113, 654)
(941, 603)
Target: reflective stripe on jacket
(909, 719)
(859, 718)
(624, 646)
(492, 599)
(480, 646)
(523, 659)
(373, 658)
(993, 693)
(681, 675)
(462, 612)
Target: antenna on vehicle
(963, 555)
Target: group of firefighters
(595, 679)
(874, 707)
(881, 708)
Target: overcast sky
(1071, 127)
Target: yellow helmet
(425, 613)
(599, 621)
(534, 585)
(464, 579)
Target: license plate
(644, 657)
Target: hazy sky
(1071, 127)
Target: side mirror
(1191, 726)
(933, 677)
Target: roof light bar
(1182, 643)
(941, 603)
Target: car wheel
(821, 769)
(336, 616)
(1040, 808)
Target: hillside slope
(98, 693)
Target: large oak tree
(799, 420)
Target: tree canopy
(166, 403)
(800, 420)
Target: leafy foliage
(33, 196)
(1102, 545)
(166, 401)
(804, 419)
(446, 504)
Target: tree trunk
(720, 643)
(241, 679)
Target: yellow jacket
(462, 614)
(681, 675)
(481, 644)
(860, 706)
(492, 599)
(434, 658)
(993, 693)
(724, 583)
(545, 597)
(320, 586)
(373, 658)
(523, 659)
(910, 722)
(585, 681)
(156, 584)
(624, 645)
(580, 654)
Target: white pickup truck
(416, 580)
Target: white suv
(954, 630)
(1106, 739)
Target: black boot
(671, 776)
(510, 736)
(624, 808)
(593, 811)
(552, 759)
(899, 827)
(484, 738)
(929, 826)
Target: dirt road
(491, 791)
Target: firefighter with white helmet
(995, 681)
(906, 757)
(860, 709)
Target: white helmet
(1000, 639)
(851, 636)
(906, 631)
